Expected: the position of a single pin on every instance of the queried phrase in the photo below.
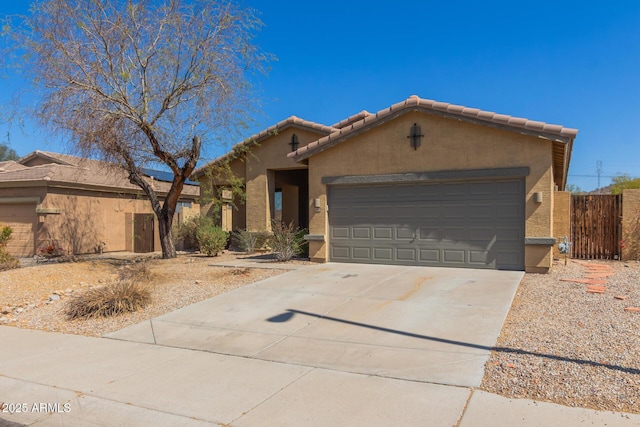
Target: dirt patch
(35, 297)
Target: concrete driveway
(416, 323)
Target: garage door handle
(415, 234)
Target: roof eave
(257, 138)
(566, 136)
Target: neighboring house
(418, 183)
(80, 205)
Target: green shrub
(186, 231)
(211, 239)
(119, 297)
(7, 262)
(287, 241)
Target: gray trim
(428, 176)
(543, 241)
(314, 237)
(20, 200)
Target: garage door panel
(361, 253)
(429, 255)
(340, 232)
(406, 254)
(478, 257)
(340, 253)
(427, 235)
(454, 256)
(404, 233)
(22, 219)
(361, 232)
(472, 224)
(383, 254)
(382, 233)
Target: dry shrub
(239, 271)
(119, 297)
(8, 262)
(138, 272)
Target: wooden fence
(596, 226)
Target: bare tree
(142, 82)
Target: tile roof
(350, 120)
(561, 137)
(71, 170)
(414, 103)
(291, 121)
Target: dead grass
(119, 297)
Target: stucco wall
(268, 156)
(561, 218)
(447, 145)
(630, 223)
(88, 218)
(85, 220)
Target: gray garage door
(476, 224)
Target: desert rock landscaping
(572, 337)
(35, 297)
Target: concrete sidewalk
(52, 379)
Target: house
(418, 183)
(81, 205)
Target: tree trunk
(166, 240)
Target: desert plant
(138, 272)
(286, 240)
(211, 239)
(7, 262)
(186, 231)
(52, 250)
(247, 241)
(118, 297)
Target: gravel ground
(559, 343)
(562, 344)
(35, 297)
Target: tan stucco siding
(561, 218)
(86, 220)
(630, 223)
(447, 145)
(264, 158)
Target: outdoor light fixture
(294, 142)
(414, 135)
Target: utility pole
(599, 171)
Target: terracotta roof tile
(352, 119)
(281, 125)
(76, 170)
(549, 131)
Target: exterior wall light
(415, 133)
(294, 142)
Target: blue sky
(572, 63)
